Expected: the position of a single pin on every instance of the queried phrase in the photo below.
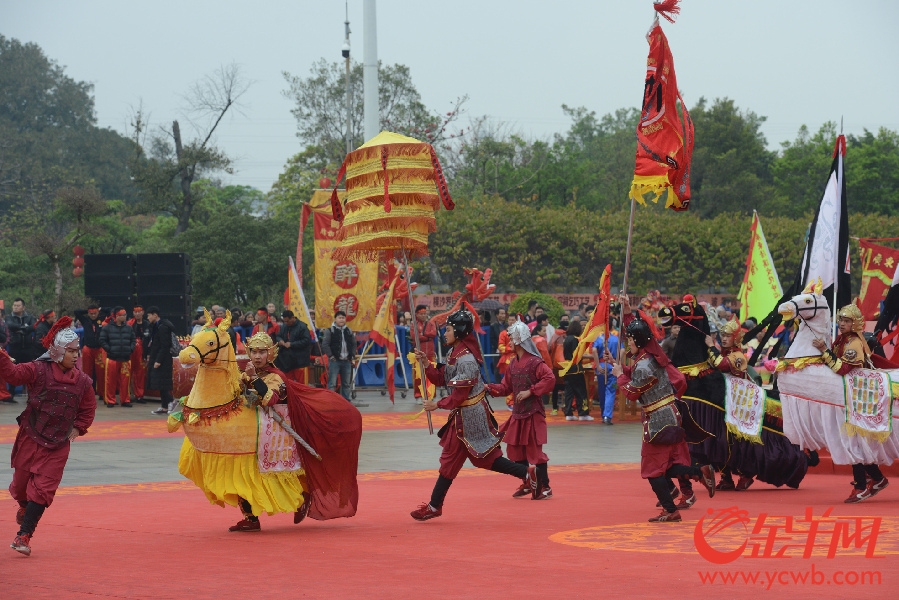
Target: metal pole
(415, 337)
(370, 68)
(627, 264)
(346, 55)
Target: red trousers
(138, 370)
(89, 358)
(118, 373)
(4, 391)
(38, 470)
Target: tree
(48, 133)
(165, 174)
(223, 271)
(320, 110)
(52, 227)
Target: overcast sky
(519, 61)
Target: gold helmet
(263, 341)
(732, 327)
(851, 311)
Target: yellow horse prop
(219, 452)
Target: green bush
(553, 307)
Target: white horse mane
(812, 310)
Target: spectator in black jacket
(119, 341)
(92, 321)
(21, 334)
(41, 329)
(295, 343)
(159, 359)
(339, 344)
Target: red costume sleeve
(546, 383)
(86, 410)
(435, 374)
(16, 374)
(456, 397)
(504, 388)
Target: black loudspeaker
(163, 280)
(109, 275)
(154, 264)
(110, 301)
(181, 325)
(163, 283)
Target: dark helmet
(639, 331)
(462, 323)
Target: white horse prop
(814, 397)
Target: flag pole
(415, 336)
(627, 263)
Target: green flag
(761, 289)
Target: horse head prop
(218, 379)
(690, 347)
(811, 309)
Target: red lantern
(78, 251)
(78, 261)
(77, 271)
(324, 183)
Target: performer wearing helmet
(270, 384)
(470, 432)
(667, 424)
(731, 360)
(850, 351)
(61, 406)
(325, 420)
(527, 378)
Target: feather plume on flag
(597, 325)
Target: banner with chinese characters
(761, 289)
(878, 268)
(744, 408)
(869, 405)
(347, 285)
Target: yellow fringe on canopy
(879, 436)
(799, 363)
(225, 477)
(734, 430)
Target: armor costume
(655, 384)
(525, 430)
(850, 351)
(470, 432)
(61, 406)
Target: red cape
(333, 427)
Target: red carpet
(589, 541)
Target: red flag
(878, 268)
(664, 136)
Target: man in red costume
(656, 385)
(138, 361)
(263, 322)
(850, 351)
(327, 422)
(427, 332)
(527, 379)
(470, 432)
(61, 406)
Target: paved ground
(153, 460)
